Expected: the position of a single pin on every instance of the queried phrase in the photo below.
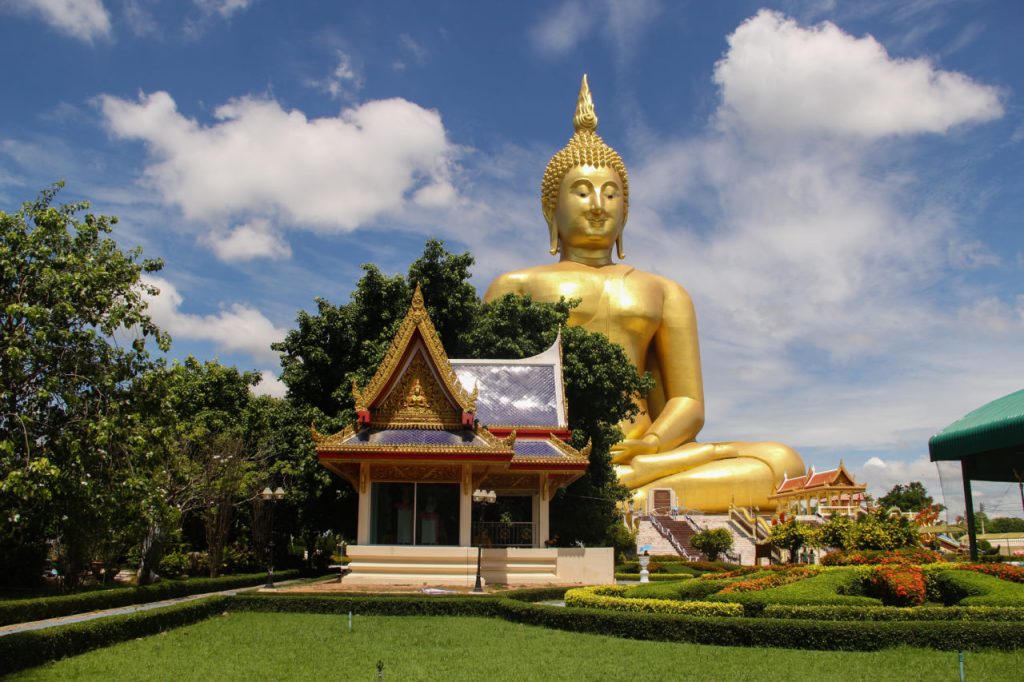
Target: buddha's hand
(624, 451)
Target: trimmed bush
(42, 608)
(828, 587)
(773, 579)
(862, 557)
(21, 650)
(970, 588)
(860, 613)
(1013, 574)
(612, 597)
(361, 603)
(771, 632)
(677, 590)
(655, 577)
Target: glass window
(437, 514)
(411, 513)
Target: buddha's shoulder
(520, 281)
(669, 287)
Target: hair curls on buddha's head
(585, 148)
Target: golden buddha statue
(585, 200)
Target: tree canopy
(69, 299)
(911, 497)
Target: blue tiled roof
(512, 395)
(414, 437)
(536, 448)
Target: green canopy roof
(990, 439)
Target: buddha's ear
(618, 247)
(552, 230)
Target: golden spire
(585, 117)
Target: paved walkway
(120, 611)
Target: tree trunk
(153, 546)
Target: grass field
(265, 646)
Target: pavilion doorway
(414, 514)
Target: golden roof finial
(585, 117)
(417, 298)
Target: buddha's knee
(781, 459)
(713, 487)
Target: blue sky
(838, 185)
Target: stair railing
(668, 535)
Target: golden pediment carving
(417, 400)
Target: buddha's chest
(623, 307)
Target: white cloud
(259, 161)
(621, 24)
(239, 328)
(225, 8)
(881, 475)
(564, 27)
(86, 20)
(255, 239)
(780, 76)
(344, 79)
(270, 385)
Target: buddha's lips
(597, 222)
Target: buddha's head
(585, 191)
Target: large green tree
(911, 497)
(344, 343)
(73, 329)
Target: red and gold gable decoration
(415, 385)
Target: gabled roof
(526, 393)
(415, 384)
(832, 478)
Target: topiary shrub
(897, 584)
(614, 597)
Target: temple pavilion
(429, 432)
(821, 492)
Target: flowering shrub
(897, 584)
(745, 570)
(867, 556)
(1014, 574)
(774, 579)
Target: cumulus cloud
(259, 161)
(270, 385)
(239, 328)
(827, 313)
(86, 20)
(255, 239)
(882, 474)
(780, 76)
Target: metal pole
(270, 551)
(479, 552)
(972, 536)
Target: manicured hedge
(969, 588)
(613, 597)
(832, 586)
(378, 605)
(861, 613)
(772, 632)
(680, 589)
(34, 647)
(655, 577)
(41, 608)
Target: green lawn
(265, 646)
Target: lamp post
(270, 497)
(483, 498)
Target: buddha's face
(590, 209)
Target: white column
(363, 518)
(543, 519)
(538, 540)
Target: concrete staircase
(648, 535)
(742, 544)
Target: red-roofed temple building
(825, 493)
(430, 431)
